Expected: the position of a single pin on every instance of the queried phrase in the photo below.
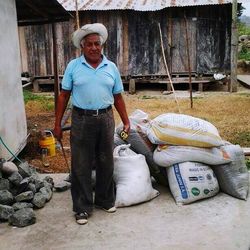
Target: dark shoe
(108, 210)
(82, 218)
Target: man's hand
(126, 128)
(120, 107)
(58, 133)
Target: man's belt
(91, 112)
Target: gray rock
(4, 184)
(23, 217)
(244, 38)
(15, 178)
(5, 212)
(32, 187)
(25, 170)
(62, 186)
(49, 180)
(39, 200)
(30, 179)
(68, 178)
(20, 205)
(25, 196)
(47, 192)
(14, 189)
(38, 183)
(6, 197)
(47, 184)
(9, 167)
(1, 164)
(24, 185)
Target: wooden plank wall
(213, 40)
(134, 41)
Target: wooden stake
(166, 67)
(189, 67)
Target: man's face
(92, 47)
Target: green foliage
(240, 10)
(244, 53)
(45, 101)
(248, 162)
(243, 29)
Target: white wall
(13, 127)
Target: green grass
(46, 102)
(242, 138)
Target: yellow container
(49, 142)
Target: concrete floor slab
(221, 222)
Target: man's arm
(61, 106)
(121, 109)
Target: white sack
(233, 178)
(166, 155)
(179, 129)
(139, 121)
(132, 177)
(190, 181)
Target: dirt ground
(32, 151)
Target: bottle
(45, 157)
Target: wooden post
(77, 52)
(56, 75)
(77, 15)
(234, 48)
(131, 86)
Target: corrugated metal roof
(139, 5)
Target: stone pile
(244, 41)
(21, 191)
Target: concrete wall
(13, 127)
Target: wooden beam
(34, 8)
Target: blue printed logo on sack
(179, 179)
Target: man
(95, 84)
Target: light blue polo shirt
(92, 88)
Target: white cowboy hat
(87, 29)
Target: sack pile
(188, 154)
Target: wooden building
(202, 31)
